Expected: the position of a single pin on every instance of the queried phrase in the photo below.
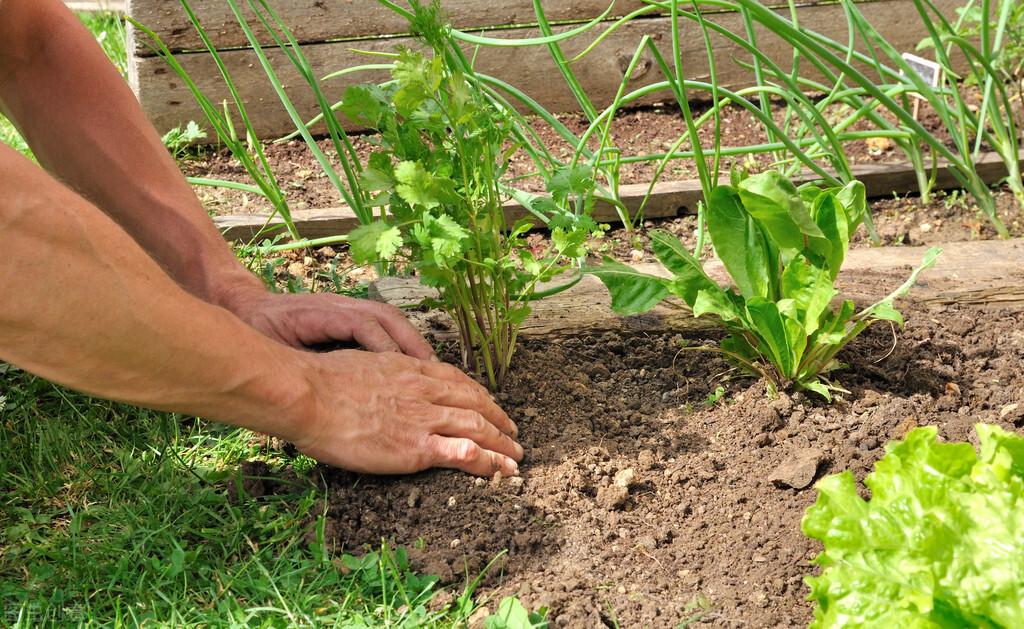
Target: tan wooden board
(113, 6)
(170, 104)
(318, 20)
(985, 274)
(667, 200)
(670, 200)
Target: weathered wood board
(984, 274)
(113, 6)
(670, 199)
(333, 20)
(667, 200)
(170, 104)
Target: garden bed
(642, 131)
(701, 528)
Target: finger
(403, 332)
(476, 399)
(463, 424)
(373, 337)
(468, 456)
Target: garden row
(430, 199)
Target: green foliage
(974, 23)
(178, 140)
(512, 615)
(114, 516)
(937, 546)
(783, 247)
(437, 177)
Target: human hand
(384, 413)
(302, 321)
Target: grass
(115, 515)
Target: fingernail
(514, 469)
(434, 358)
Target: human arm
(83, 305)
(85, 126)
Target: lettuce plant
(783, 247)
(438, 178)
(939, 544)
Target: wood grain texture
(983, 274)
(330, 20)
(113, 6)
(670, 199)
(667, 200)
(169, 103)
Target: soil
(949, 217)
(640, 131)
(645, 504)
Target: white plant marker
(928, 70)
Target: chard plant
(438, 178)
(937, 545)
(783, 248)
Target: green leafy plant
(783, 247)
(937, 545)
(177, 140)
(437, 176)
(511, 614)
(864, 73)
(989, 35)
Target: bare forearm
(84, 306)
(85, 126)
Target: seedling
(783, 247)
(437, 178)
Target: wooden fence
(331, 29)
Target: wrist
(285, 402)
(236, 290)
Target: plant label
(929, 71)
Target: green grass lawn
(112, 515)
(115, 515)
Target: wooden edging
(169, 103)
(112, 6)
(668, 199)
(982, 274)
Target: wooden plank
(169, 103)
(314, 21)
(667, 200)
(111, 6)
(986, 274)
(671, 199)
(317, 21)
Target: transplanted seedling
(783, 247)
(438, 177)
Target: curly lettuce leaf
(940, 543)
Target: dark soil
(642, 503)
(641, 131)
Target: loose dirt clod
(612, 497)
(798, 471)
(625, 478)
